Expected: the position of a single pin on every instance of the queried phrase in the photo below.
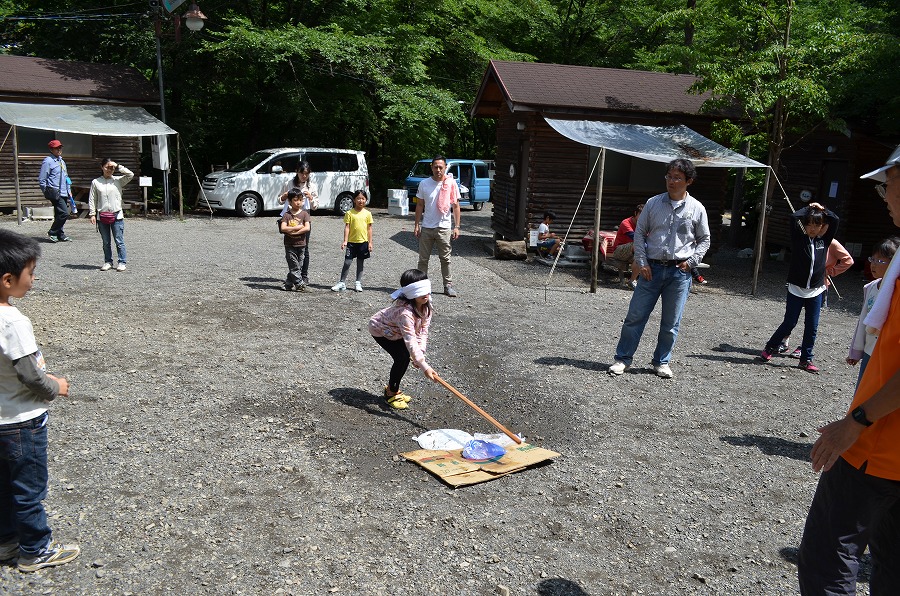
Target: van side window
(481, 170)
(320, 162)
(466, 173)
(288, 162)
(347, 162)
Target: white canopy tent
(653, 143)
(100, 120)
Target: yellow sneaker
(398, 401)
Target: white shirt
(17, 402)
(429, 189)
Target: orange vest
(879, 444)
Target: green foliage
(396, 78)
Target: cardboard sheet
(455, 470)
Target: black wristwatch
(860, 416)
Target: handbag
(108, 217)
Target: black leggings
(397, 349)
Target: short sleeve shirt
(17, 402)
(294, 220)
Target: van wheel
(344, 203)
(248, 205)
(477, 206)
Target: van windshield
(250, 162)
(422, 169)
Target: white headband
(414, 290)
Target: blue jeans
(792, 308)
(117, 231)
(672, 285)
(23, 485)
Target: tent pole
(178, 165)
(595, 253)
(761, 231)
(16, 174)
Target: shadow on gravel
(263, 283)
(772, 446)
(559, 587)
(724, 348)
(791, 554)
(81, 267)
(370, 404)
(560, 361)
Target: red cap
(54, 144)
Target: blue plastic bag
(482, 450)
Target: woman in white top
(105, 209)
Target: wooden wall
(807, 165)
(126, 150)
(558, 170)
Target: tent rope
(571, 223)
(197, 178)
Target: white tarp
(654, 143)
(103, 120)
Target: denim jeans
(23, 485)
(672, 285)
(793, 306)
(117, 230)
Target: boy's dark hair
(16, 252)
(814, 216)
(550, 214)
(293, 193)
(887, 247)
(638, 208)
(685, 166)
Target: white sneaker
(618, 368)
(121, 267)
(339, 287)
(663, 371)
(106, 267)
(358, 287)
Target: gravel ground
(225, 437)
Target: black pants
(398, 351)
(851, 509)
(60, 211)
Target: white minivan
(253, 185)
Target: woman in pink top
(402, 330)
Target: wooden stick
(472, 404)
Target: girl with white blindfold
(402, 330)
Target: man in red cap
(55, 187)
(857, 502)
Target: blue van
(470, 173)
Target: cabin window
(34, 141)
(627, 173)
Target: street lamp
(194, 20)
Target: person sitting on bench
(623, 245)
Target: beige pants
(624, 252)
(428, 238)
